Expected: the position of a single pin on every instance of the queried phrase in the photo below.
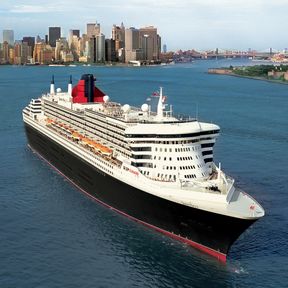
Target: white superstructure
(153, 151)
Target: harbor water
(52, 235)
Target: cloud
(34, 9)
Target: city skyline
(189, 24)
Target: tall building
(5, 48)
(17, 53)
(76, 32)
(132, 45)
(54, 35)
(93, 29)
(118, 34)
(164, 48)
(72, 34)
(8, 36)
(150, 42)
(110, 53)
(97, 49)
(31, 43)
(61, 46)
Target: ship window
(170, 149)
(174, 167)
(180, 167)
(156, 149)
(170, 158)
(160, 149)
(159, 158)
(165, 149)
(164, 158)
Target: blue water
(51, 235)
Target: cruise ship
(150, 166)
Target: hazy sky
(182, 24)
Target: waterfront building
(118, 35)
(17, 53)
(43, 53)
(66, 56)
(5, 49)
(11, 55)
(133, 52)
(8, 36)
(30, 43)
(96, 49)
(61, 46)
(110, 53)
(150, 42)
(83, 47)
(75, 47)
(54, 35)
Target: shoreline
(227, 72)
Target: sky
(182, 24)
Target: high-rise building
(118, 34)
(93, 30)
(61, 46)
(164, 48)
(8, 36)
(150, 42)
(132, 45)
(5, 48)
(72, 33)
(76, 32)
(110, 53)
(54, 35)
(31, 43)
(17, 53)
(97, 49)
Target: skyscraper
(93, 29)
(110, 53)
(31, 43)
(150, 42)
(132, 45)
(54, 34)
(118, 34)
(97, 48)
(8, 36)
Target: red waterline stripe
(220, 256)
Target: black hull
(210, 232)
